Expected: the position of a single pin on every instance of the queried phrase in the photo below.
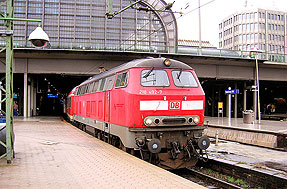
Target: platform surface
(51, 153)
(264, 125)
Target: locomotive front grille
(173, 120)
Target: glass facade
(72, 24)
(263, 29)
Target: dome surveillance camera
(38, 37)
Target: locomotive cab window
(77, 91)
(151, 77)
(95, 86)
(183, 78)
(122, 80)
(102, 84)
(109, 83)
(90, 87)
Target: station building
(83, 39)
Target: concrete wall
(87, 63)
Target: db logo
(174, 105)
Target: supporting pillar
(213, 102)
(244, 97)
(25, 98)
(32, 97)
(235, 103)
(228, 104)
(0, 97)
(29, 98)
(255, 99)
(35, 100)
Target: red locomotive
(153, 107)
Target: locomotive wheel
(122, 147)
(99, 135)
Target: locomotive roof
(146, 62)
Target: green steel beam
(3, 49)
(9, 83)
(1, 88)
(3, 100)
(111, 14)
(20, 19)
(8, 36)
(2, 143)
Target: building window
(256, 26)
(256, 15)
(240, 17)
(248, 27)
(252, 15)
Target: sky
(212, 14)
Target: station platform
(50, 153)
(267, 133)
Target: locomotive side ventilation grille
(173, 120)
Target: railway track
(213, 180)
(220, 174)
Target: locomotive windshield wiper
(148, 73)
(179, 74)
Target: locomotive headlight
(196, 120)
(167, 62)
(148, 122)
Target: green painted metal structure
(7, 35)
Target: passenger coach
(152, 107)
